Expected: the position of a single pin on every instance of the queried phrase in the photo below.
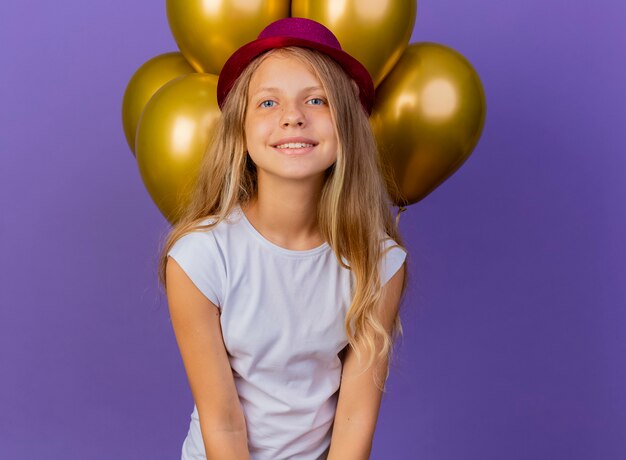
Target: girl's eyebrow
(268, 89)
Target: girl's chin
(290, 174)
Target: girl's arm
(196, 324)
(359, 398)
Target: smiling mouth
(294, 145)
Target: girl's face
(289, 129)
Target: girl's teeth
(293, 145)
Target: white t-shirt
(282, 318)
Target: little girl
(285, 274)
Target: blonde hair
(354, 208)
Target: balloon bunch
(427, 118)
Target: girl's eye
(317, 101)
(267, 104)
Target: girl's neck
(285, 212)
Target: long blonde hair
(354, 209)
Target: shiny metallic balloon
(173, 134)
(376, 32)
(428, 117)
(209, 31)
(146, 81)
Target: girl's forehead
(282, 67)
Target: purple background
(515, 319)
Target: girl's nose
(292, 116)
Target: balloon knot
(401, 209)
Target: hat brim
(244, 55)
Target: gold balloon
(376, 32)
(173, 134)
(144, 83)
(427, 118)
(209, 31)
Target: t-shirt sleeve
(199, 256)
(392, 259)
